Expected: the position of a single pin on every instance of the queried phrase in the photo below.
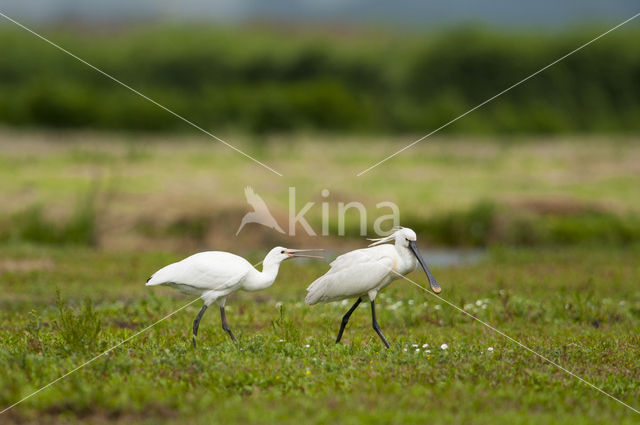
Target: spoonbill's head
(402, 236)
(279, 254)
(406, 238)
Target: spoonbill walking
(213, 275)
(365, 272)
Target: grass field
(87, 217)
(579, 307)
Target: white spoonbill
(365, 272)
(213, 275)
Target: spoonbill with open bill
(213, 275)
(365, 272)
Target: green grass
(93, 215)
(578, 306)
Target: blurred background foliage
(265, 79)
(551, 162)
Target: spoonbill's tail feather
(152, 282)
(163, 276)
(316, 291)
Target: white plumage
(213, 275)
(354, 274)
(365, 272)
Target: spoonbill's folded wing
(364, 255)
(213, 270)
(352, 274)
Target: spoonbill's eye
(282, 252)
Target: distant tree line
(268, 80)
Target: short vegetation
(578, 307)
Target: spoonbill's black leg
(196, 323)
(345, 319)
(225, 326)
(375, 324)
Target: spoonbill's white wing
(363, 255)
(205, 271)
(353, 274)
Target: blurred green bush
(262, 80)
(487, 223)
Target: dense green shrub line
(262, 80)
(33, 225)
(488, 223)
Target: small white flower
(279, 304)
(281, 340)
(417, 350)
(484, 306)
(479, 303)
(437, 307)
(427, 351)
(404, 349)
(307, 346)
(444, 346)
(425, 345)
(411, 302)
(414, 345)
(344, 302)
(394, 306)
(490, 349)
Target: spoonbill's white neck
(258, 280)
(407, 258)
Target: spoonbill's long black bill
(432, 280)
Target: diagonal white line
(517, 342)
(111, 77)
(498, 95)
(107, 351)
